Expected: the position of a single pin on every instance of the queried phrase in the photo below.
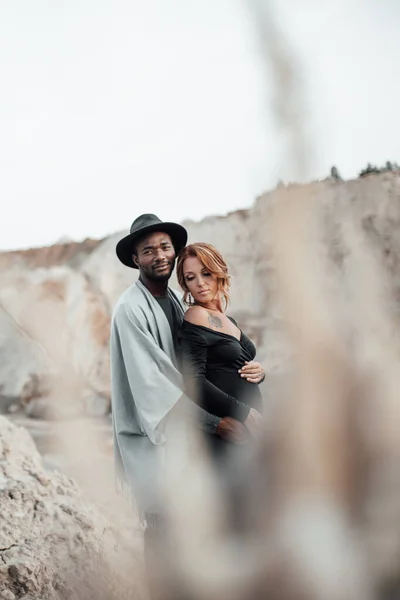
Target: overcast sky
(111, 108)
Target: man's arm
(154, 382)
(198, 416)
(226, 428)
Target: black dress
(216, 357)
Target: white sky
(111, 108)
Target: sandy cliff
(55, 302)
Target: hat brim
(124, 248)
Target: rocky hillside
(54, 543)
(55, 302)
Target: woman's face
(199, 281)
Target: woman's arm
(203, 392)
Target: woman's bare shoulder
(197, 315)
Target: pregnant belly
(231, 383)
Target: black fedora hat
(146, 224)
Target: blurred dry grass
(321, 492)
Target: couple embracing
(174, 354)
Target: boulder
(23, 364)
(54, 543)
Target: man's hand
(252, 371)
(233, 431)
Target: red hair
(212, 260)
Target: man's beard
(164, 276)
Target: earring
(189, 298)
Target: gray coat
(145, 386)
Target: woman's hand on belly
(252, 371)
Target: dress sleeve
(193, 347)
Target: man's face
(155, 256)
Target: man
(147, 388)
(146, 384)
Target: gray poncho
(145, 386)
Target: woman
(212, 345)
